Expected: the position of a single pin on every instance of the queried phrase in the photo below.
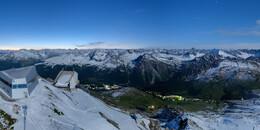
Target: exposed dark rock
(173, 118)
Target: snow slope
(81, 111)
(244, 55)
(224, 54)
(231, 69)
(243, 115)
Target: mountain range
(143, 68)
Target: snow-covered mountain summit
(118, 56)
(52, 108)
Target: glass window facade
(5, 82)
(17, 86)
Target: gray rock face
(152, 70)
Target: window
(17, 86)
(14, 86)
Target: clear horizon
(130, 24)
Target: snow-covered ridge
(115, 58)
(241, 65)
(231, 69)
(118, 56)
(224, 54)
(52, 108)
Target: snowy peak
(146, 56)
(225, 54)
(244, 55)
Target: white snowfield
(81, 111)
(244, 115)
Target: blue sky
(83, 24)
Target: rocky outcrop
(172, 118)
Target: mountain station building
(19, 82)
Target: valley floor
(236, 115)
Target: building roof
(18, 73)
(64, 78)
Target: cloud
(250, 31)
(90, 44)
(258, 22)
(241, 45)
(227, 32)
(238, 45)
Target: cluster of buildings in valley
(104, 87)
(169, 97)
(176, 98)
(20, 82)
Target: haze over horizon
(129, 24)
